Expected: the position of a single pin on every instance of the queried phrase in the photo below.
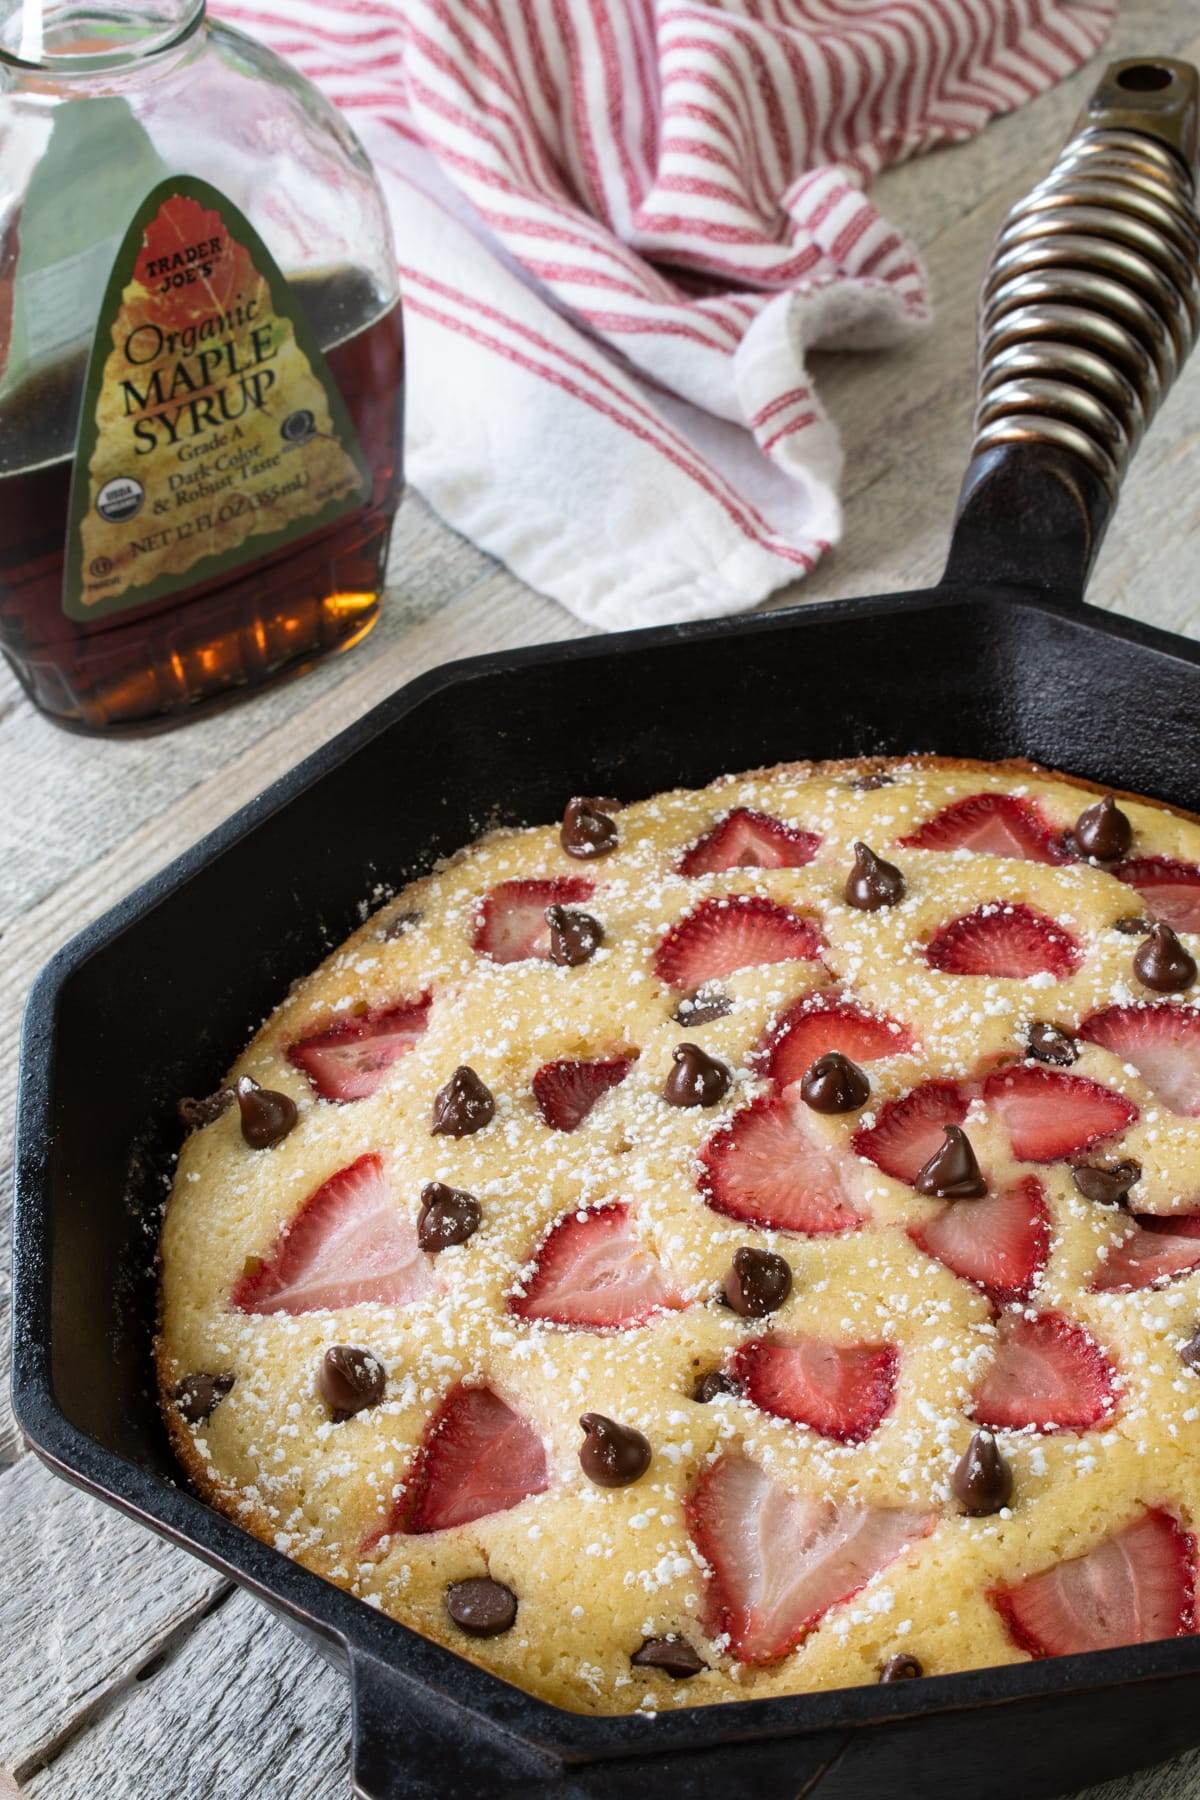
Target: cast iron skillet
(1090, 305)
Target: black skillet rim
(350, 1627)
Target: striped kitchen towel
(622, 224)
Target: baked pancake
(730, 1245)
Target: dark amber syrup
(279, 613)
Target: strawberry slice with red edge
(1049, 1374)
(842, 1391)
(1135, 1587)
(990, 825)
(735, 931)
(1170, 889)
(478, 1456)
(765, 1165)
(1049, 1114)
(349, 1243)
(350, 1060)
(594, 1271)
(816, 1024)
(745, 839)
(510, 925)
(779, 1561)
(1159, 1248)
(1161, 1041)
(567, 1090)
(1008, 941)
(999, 1243)
(910, 1129)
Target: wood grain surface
(131, 1671)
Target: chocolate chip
(952, 1172)
(398, 924)
(983, 1480)
(872, 883)
(448, 1216)
(350, 1380)
(481, 1607)
(702, 1007)
(1162, 964)
(267, 1116)
(672, 1656)
(198, 1395)
(193, 1114)
(574, 936)
(876, 778)
(715, 1382)
(834, 1084)
(1049, 1044)
(586, 830)
(696, 1079)
(1189, 1355)
(1133, 925)
(612, 1455)
(758, 1283)
(1104, 831)
(463, 1106)
(1107, 1186)
(901, 1668)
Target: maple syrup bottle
(201, 364)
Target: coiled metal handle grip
(1091, 303)
(1089, 309)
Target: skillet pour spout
(1089, 309)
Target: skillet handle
(1089, 309)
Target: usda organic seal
(119, 499)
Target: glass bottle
(201, 363)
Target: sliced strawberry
(510, 925)
(840, 1390)
(1134, 1588)
(745, 839)
(738, 931)
(594, 1271)
(999, 1243)
(990, 825)
(348, 1243)
(1170, 889)
(779, 1560)
(909, 1130)
(566, 1091)
(1163, 1044)
(350, 1060)
(1007, 941)
(478, 1456)
(765, 1165)
(816, 1024)
(1049, 1114)
(1049, 1373)
(1158, 1248)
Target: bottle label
(211, 431)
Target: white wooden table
(127, 1670)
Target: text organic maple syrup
(201, 367)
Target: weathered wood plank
(241, 1710)
(10, 1437)
(87, 1598)
(1169, 1781)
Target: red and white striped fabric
(621, 224)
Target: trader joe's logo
(211, 430)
